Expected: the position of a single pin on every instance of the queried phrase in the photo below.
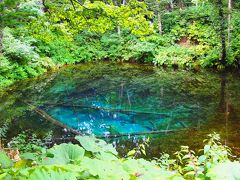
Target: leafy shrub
(5, 64)
(56, 47)
(33, 7)
(142, 51)
(96, 159)
(203, 34)
(234, 51)
(174, 55)
(4, 82)
(16, 50)
(44, 62)
(163, 40)
(211, 59)
(3, 132)
(38, 41)
(202, 14)
(113, 45)
(25, 142)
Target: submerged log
(135, 134)
(73, 140)
(51, 119)
(75, 132)
(105, 109)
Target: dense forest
(38, 37)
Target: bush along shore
(40, 35)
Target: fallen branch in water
(72, 139)
(135, 134)
(51, 119)
(105, 109)
(56, 122)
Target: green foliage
(193, 166)
(214, 151)
(175, 55)
(5, 161)
(226, 170)
(32, 6)
(38, 37)
(112, 47)
(98, 160)
(3, 131)
(25, 143)
(141, 149)
(234, 51)
(95, 145)
(19, 60)
(5, 65)
(16, 13)
(100, 17)
(65, 154)
(17, 50)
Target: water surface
(107, 99)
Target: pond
(127, 103)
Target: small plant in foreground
(95, 159)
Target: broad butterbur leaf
(105, 169)
(65, 154)
(94, 145)
(227, 170)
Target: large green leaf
(5, 161)
(65, 154)
(40, 174)
(50, 172)
(144, 169)
(29, 156)
(104, 169)
(106, 156)
(95, 145)
(227, 170)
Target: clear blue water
(111, 99)
(103, 122)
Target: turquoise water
(119, 104)
(107, 99)
(103, 122)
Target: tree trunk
(1, 29)
(118, 27)
(1, 36)
(222, 33)
(119, 30)
(171, 4)
(181, 5)
(1, 33)
(159, 23)
(229, 22)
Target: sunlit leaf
(95, 145)
(65, 154)
(227, 170)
